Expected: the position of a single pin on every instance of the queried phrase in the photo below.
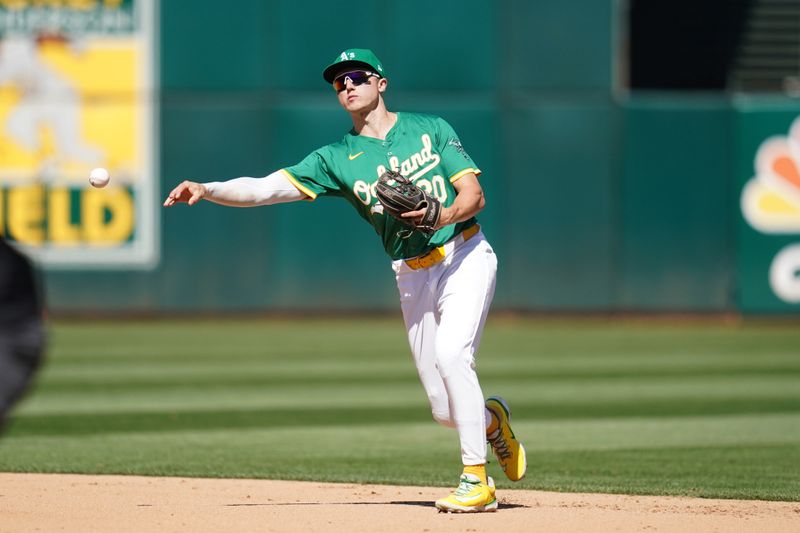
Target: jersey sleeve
(313, 176)
(455, 159)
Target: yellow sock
(476, 470)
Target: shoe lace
(499, 444)
(464, 487)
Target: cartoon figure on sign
(47, 99)
(771, 204)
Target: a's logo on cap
(344, 56)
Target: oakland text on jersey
(413, 168)
(413, 163)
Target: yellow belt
(437, 254)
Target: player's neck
(374, 123)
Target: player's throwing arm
(238, 192)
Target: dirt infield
(50, 502)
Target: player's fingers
(187, 191)
(413, 214)
(195, 198)
(175, 194)
(197, 191)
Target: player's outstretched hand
(188, 191)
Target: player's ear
(382, 84)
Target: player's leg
(463, 312)
(418, 306)
(464, 293)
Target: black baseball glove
(398, 195)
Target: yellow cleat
(471, 496)
(509, 451)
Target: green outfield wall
(597, 199)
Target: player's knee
(450, 361)
(443, 418)
(440, 406)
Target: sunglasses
(357, 77)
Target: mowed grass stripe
(659, 433)
(332, 394)
(597, 357)
(541, 395)
(539, 435)
(93, 423)
(249, 336)
(203, 398)
(152, 379)
(256, 348)
(533, 369)
(514, 338)
(569, 400)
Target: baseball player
(446, 280)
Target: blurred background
(637, 155)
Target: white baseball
(99, 177)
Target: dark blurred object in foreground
(21, 327)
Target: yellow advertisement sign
(77, 93)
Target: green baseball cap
(355, 58)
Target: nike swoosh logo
(351, 156)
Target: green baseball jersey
(424, 148)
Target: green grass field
(709, 410)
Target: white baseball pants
(444, 308)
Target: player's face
(358, 90)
